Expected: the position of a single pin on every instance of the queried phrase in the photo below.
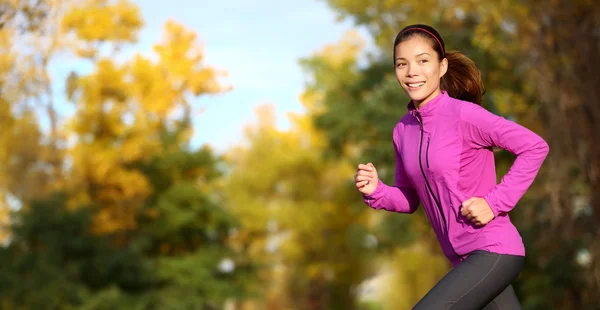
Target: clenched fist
(366, 178)
(477, 210)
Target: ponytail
(462, 79)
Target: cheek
(399, 75)
(432, 72)
(433, 75)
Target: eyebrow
(400, 58)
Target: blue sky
(258, 43)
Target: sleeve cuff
(492, 205)
(376, 194)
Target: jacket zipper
(437, 202)
(427, 151)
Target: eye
(422, 61)
(400, 64)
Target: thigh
(507, 300)
(474, 283)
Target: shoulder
(400, 126)
(458, 108)
(404, 121)
(471, 114)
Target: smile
(415, 85)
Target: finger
(363, 178)
(480, 222)
(477, 218)
(468, 201)
(464, 211)
(473, 211)
(364, 189)
(365, 167)
(365, 173)
(362, 183)
(371, 167)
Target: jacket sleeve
(485, 129)
(401, 197)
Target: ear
(443, 67)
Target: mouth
(416, 85)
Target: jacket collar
(428, 110)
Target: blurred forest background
(111, 207)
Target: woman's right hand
(366, 178)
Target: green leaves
(128, 216)
(178, 257)
(139, 221)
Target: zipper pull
(427, 151)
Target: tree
(136, 222)
(123, 109)
(23, 15)
(31, 146)
(299, 217)
(177, 258)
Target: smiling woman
(444, 162)
(419, 70)
(423, 51)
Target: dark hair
(462, 79)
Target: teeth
(416, 84)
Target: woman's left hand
(477, 210)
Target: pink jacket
(443, 157)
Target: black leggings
(481, 281)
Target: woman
(444, 161)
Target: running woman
(445, 162)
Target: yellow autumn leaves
(121, 107)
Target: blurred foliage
(134, 220)
(24, 15)
(299, 217)
(111, 208)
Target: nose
(411, 71)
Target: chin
(416, 97)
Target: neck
(420, 104)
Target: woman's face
(418, 69)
